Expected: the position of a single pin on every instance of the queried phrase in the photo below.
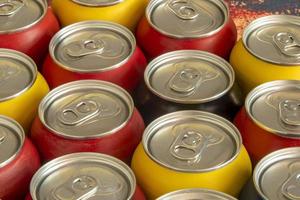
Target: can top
(17, 15)
(189, 76)
(277, 176)
(274, 39)
(17, 73)
(92, 46)
(187, 18)
(86, 109)
(92, 176)
(192, 141)
(196, 194)
(97, 3)
(12, 139)
(275, 107)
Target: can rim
(73, 28)
(268, 160)
(192, 114)
(182, 54)
(93, 84)
(13, 54)
(221, 4)
(267, 20)
(44, 6)
(98, 4)
(62, 161)
(256, 93)
(19, 131)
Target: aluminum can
(272, 116)
(27, 26)
(86, 176)
(269, 50)
(94, 50)
(19, 160)
(170, 25)
(191, 149)
(275, 177)
(188, 80)
(196, 193)
(124, 12)
(21, 87)
(87, 116)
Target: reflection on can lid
(187, 18)
(274, 39)
(277, 176)
(86, 109)
(192, 141)
(90, 176)
(11, 139)
(189, 76)
(275, 106)
(17, 15)
(97, 3)
(196, 194)
(92, 46)
(17, 73)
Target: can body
(126, 13)
(34, 40)
(15, 177)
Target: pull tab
(183, 9)
(289, 111)
(7, 72)
(10, 7)
(3, 135)
(189, 145)
(291, 188)
(287, 44)
(84, 48)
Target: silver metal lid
(187, 18)
(275, 107)
(92, 46)
(12, 139)
(189, 76)
(196, 194)
(86, 109)
(97, 3)
(192, 141)
(17, 15)
(274, 39)
(17, 73)
(277, 176)
(77, 176)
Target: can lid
(187, 18)
(17, 73)
(196, 194)
(17, 15)
(12, 139)
(192, 141)
(91, 176)
(277, 176)
(86, 109)
(189, 76)
(97, 3)
(92, 46)
(274, 39)
(275, 107)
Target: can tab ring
(10, 7)
(183, 9)
(3, 135)
(7, 72)
(86, 47)
(291, 187)
(287, 43)
(289, 111)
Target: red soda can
(94, 50)
(181, 24)
(19, 160)
(85, 176)
(27, 26)
(270, 119)
(87, 116)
